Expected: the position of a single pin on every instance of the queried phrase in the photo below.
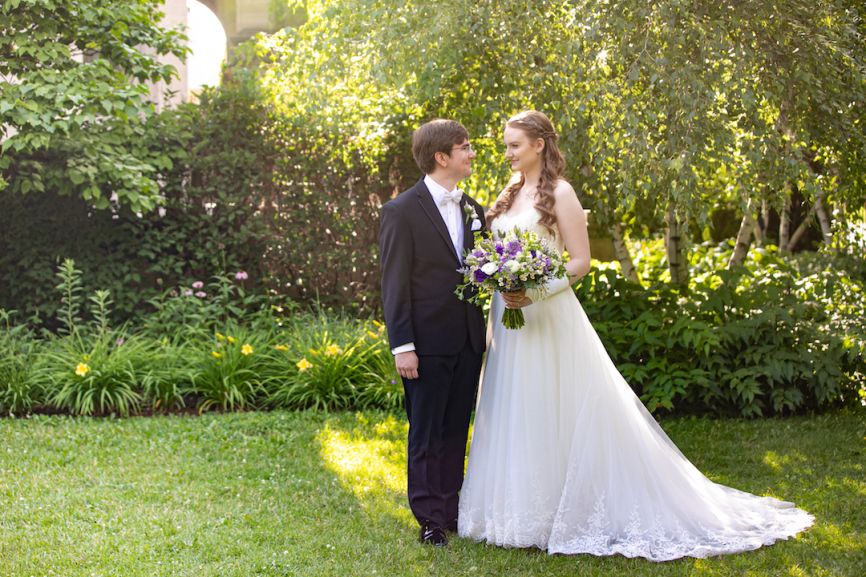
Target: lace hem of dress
(658, 540)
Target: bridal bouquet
(519, 260)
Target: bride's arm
(571, 221)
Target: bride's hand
(516, 299)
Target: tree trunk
(785, 221)
(673, 243)
(744, 238)
(763, 223)
(622, 254)
(802, 228)
(823, 219)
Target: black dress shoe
(433, 536)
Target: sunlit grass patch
(369, 460)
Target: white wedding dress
(565, 457)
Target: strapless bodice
(527, 219)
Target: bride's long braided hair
(536, 125)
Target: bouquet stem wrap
(513, 318)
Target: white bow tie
(454, 196)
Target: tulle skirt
(566, 458)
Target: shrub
(167, 379)
(19, 394)
(228, 375)
(317, 369)
(194, 311)
(778, 336)
(94, 375)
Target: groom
(437, 340)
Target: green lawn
(316, 494)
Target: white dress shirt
(450, 212)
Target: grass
(316, 494)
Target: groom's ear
(441, 159)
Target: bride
(564, 456)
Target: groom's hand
(407, 364)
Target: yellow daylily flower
(220, 337)
(216, 354)
(230, 339)
(82, 369)
(281, 347)
(246, 350)
(304, 364)
(377, 324)
(333, 350)
(85, 358)
(372, 335)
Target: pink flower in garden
(201, 294)
(187, 293)
(241, 275)
(197, 284)
(119, 342)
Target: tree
(73, 97)
(666, 109)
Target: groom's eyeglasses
(464, 148)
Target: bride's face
(521, 151)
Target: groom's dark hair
(438, 135)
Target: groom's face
(460, 159)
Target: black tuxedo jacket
(419, 275)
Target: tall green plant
(90, 368)
(70, 291)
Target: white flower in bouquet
(518, 261)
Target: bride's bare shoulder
(563, 188)
(566, 199)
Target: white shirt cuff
(403, 348)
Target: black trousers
(439, 404)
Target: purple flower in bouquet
(518, 261)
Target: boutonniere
(471, 214)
